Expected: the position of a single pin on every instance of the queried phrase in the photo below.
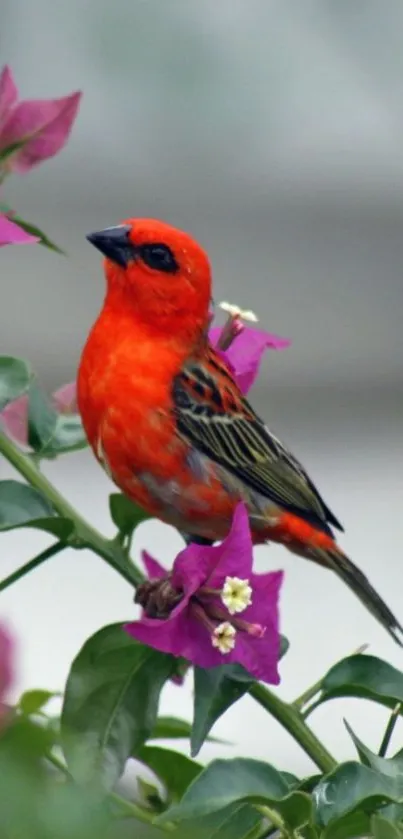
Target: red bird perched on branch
(169, 424)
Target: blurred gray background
(273, 131)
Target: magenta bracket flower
(212, 609)
(14, 417)
(12, 234)
(34, 129)
(242, 346)
(65, 398)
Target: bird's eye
(159, 257)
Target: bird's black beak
(114, 243)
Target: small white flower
(236, 312)
(223, 637)
(236, 594)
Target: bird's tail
(335, 559)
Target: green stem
(292, 721)
(86, 534)
(127, 808)
(266, 832)
(274, 818)
(389, 730)
(311, 692)
(33, 563)
(307, 695)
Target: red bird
(168, 423)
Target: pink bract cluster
(221, 611)
(31, 131)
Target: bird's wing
(213, 416)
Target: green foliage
(109, 715)
(33, 802)
(33, 701)
(382, 828)
(15, 376)
(23, 506)
(173, 728)
(351, 787)
(174, 770)
(362, 676)
(167, 728)
(215, 691)
(392, 767)
(125, 514)
(228, 782)
(111, 703)
(238, 821)
(51, 433)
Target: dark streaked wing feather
(214, 417)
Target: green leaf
(111, 703)
(36, 231)
(291, 780)
(348, 827)
(125, 514)
(20, 503)
(392, 767)
(51, 433)
(170, 728)
(69, 434)
(25, 737)
(15, 376)
(384, 829)
(365, 677)
(215, 691)
(173, 728)
(175, 770)
(23, 506)
(33, 701)
(57, 526)
(42, 419)
(238, 821)
(352, 786)
(34, 803)
(226, 782)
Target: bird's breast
(124, 397)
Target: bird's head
(157, 271)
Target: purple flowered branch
(201, 602)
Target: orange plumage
(167, 421)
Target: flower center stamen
(236, 594)
(223, 637)
(234, 326)
(158, 598)
(255, 629)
